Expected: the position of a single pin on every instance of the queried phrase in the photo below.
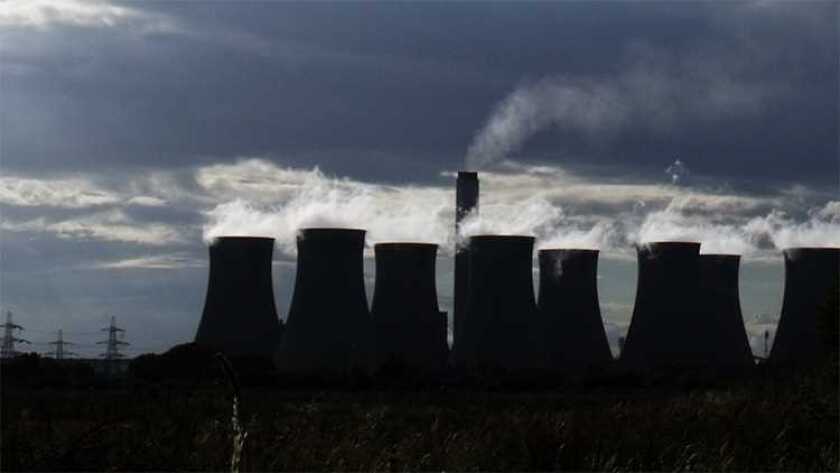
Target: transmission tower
(59, 353)
(9, 339)
(112, 345)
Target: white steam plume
(822, 229)
(654, 92)
(602, 235)
(523, 203)
(772, 232)
(564, 103)
(388, 214)
(533, 107)
(678, 171)
(537, 217)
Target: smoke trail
(564, 103)
(654, 92)
(678, 171)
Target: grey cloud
(111, 225)
(165, 261)
(44, 14)
(403, 99)
(71, 193)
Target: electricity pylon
(59, 353)
(112, 348)
(8, 348)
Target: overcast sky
(132, 133)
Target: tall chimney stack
(666, 328)
(405, 311)
(502, 325)
(328, 330)
(722, 310)
(574, 333)
(812, 282)
(239, 315)
(466, 202)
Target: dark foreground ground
(771, 422)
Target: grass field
(780, 422)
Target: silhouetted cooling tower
(405, 307)
(466, 201)
(574, 334)
(239, 315)
(811, 275)
(328, 330)
(502, 325)
(667, 326)
(722, 308)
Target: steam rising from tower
(410, 329)
(239, 314)
(812, 283)
(328, 330)
(568, 303)
(466, 202)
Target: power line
(95, 332)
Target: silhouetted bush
(187, 363)
(34, 371)
(190, 364)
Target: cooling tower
(722, 310)
(809, 309)
(667, 327)
(239, 316)
(328, 330)
(574, 334)
(405, 310)
(502, 325)
(466, 201)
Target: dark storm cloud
(402, 88)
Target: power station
(574, 335)
(720, 297)
(239, 315)
(409, 328)
(812, 284)
(328, 329)
(501, 330)
(687, 311)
